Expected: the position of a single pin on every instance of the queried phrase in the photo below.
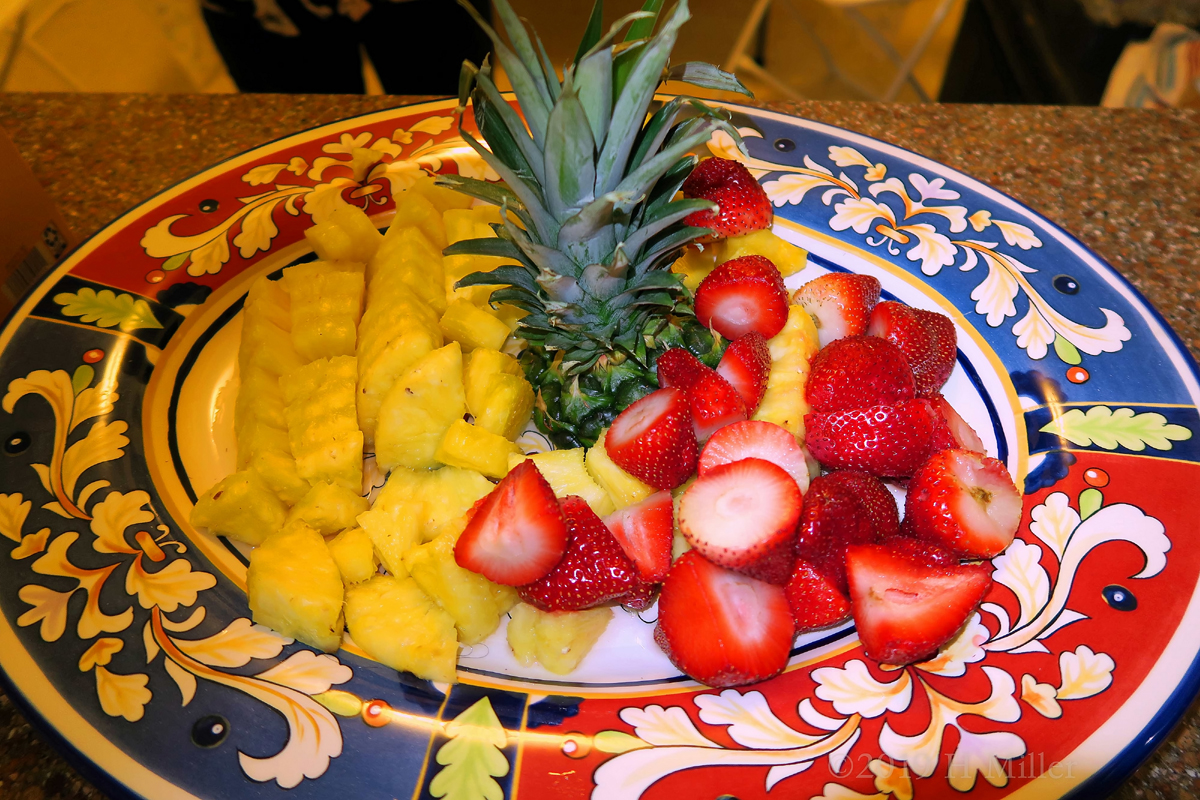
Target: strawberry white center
(987, 505)
(640, 417)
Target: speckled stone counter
(1127, 183)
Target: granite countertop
(1125, 182)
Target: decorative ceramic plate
(126, 632)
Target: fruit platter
(591, 442)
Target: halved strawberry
(886, 441)
(840, 303)
(645, 531)
(814, 599)
(746, 364)
(927, 338)
(953, 432)
(593, 569)
(906, 607)
(965, 502)
(742, 204)
(517, 533)
(756, 439)
(857, 372)
(654, 439)
(742, 295)
(841, 509)
(714, 403)
(720, 627)
(743, 516)
(640, 597)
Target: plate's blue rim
(1101, 783)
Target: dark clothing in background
(416, 46)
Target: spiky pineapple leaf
(662, 218)
(538, 215)
(593, 76)
(570, 170)
(661, 250)
(522, 45)
(496, 247)
(629, 110)
(591, 34)
(643, 29)
(498, 112)
(707, 76)
(504, 275)
(692, 134)
(552, 81)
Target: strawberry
(742, 205)
(952, 432)
(720, 627)
(654, 439)
(907, 606)
(814, 599)
(841, 509)
(645, 531)
(756, 439)
(928, 340)
(857, 372)
(840, 303)
(744, 294)
(746, 364)
(640, 597)
(593, 570)
(714, 403)
(965, 502)
(742, 516)
(886, 441)
(678, 367)
(517, 533)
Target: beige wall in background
(108, 46)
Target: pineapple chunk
(267, 346)
(392, 535)
(785, 402)
(471, 447)
(475, 603)
(419, 409)
(788, 258)
(623, 488)
(508, 406)
(408, 257)
(322, 422)
(354, 555)
(295, 589)
(472, 327)
(414, 210)
(260, 398)
(478, 368)
(449, 493)
(443, 199)
(328, 508)
(695, 264)
(278, 469)
(267, 298)
(398, 625)
(558, 640)
(327, 304)
(242, 507)
(408, 346)
(565, 472)
(460, 226)
(347, 235)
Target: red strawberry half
(746, 364)
(742, 516)
(840, 303)
(841, 509)
(856, 372)
(953, 432)
(645, 531)
(814, 599)
(654, 439)
(905, 605)
(517, 533)
(965, 502)
(714, 403)
(720, 627)
(742, 205)
(886, 441)
(593, 569)
(756, 439)
(927, 338)
(742, 295)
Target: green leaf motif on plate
(108, 309)
(82, 378)
(1090, 501)
(1066, 351)
(1109, 429)
(473, 758)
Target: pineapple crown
(591, 180)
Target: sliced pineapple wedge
(566, 473)
(327, 303)
(475, 448)
(400, 626)
(622, 488)
(242, 507)
(294, 587)
(784, 401)
(354, 555)
(323, 423)
(328, 508)
(558, 640)
(419, 409)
